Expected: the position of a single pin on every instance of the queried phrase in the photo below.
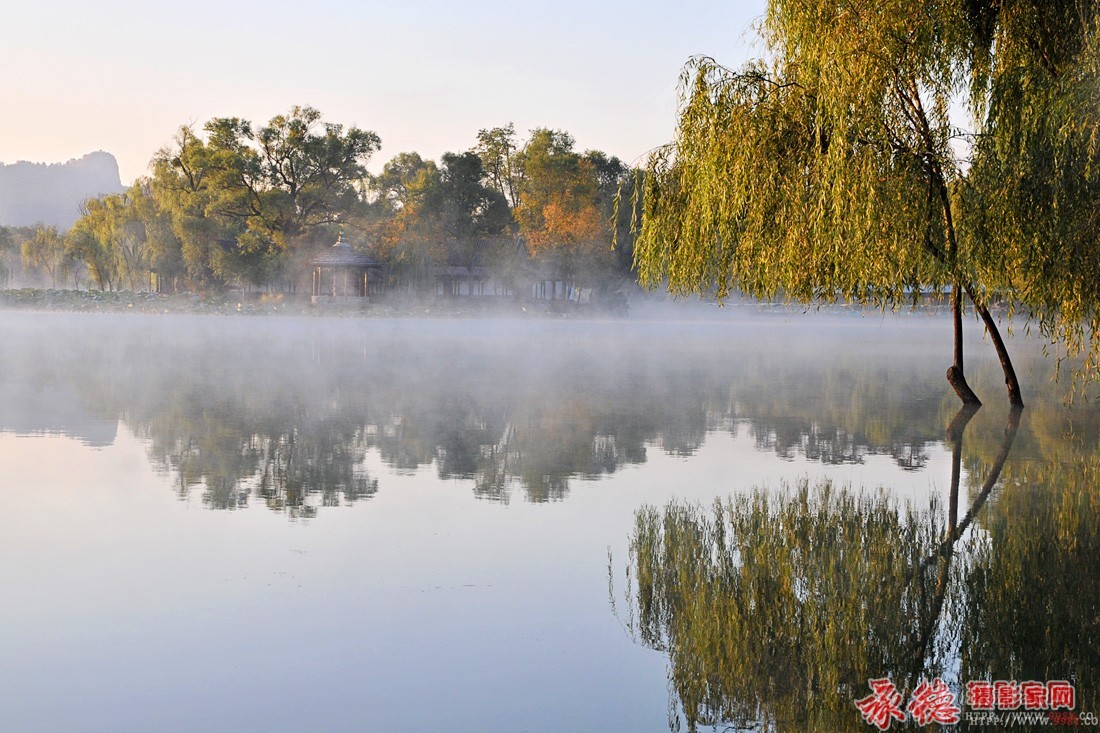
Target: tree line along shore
(238, 207)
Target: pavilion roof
(342, 255)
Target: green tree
(449, 198)
(12, 240)
(241, 198)
(406, 238)
(309, 171)
(469, 208)
(550, 175)
(827, 171)
(1031, 197)
(91, 241)
(112, 239)
(46, 251)
(7, 244)
(437, 212)
(496, 148)
(403, 180)
(186, 186)
(165, 253)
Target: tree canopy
(833, 168)
(233, 204)
(429, 212)
(241, 196)
(1032, 198)
(565, 205)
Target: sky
(123, 75)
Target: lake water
(287, 524)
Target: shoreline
(281, 304)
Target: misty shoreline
(653, 306)
(252, 304)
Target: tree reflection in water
(289, 413)
(506, 413)
(776, 608)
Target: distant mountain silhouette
(37, 193)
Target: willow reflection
(776, 608)
(1031, 610)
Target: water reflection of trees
(293, 465)
(238, 415)
(1032, 608)
(537, 426)
(841, 409)
(776, 608)
(288, 413)
(502, 410)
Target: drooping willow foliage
(832, 169)
(765, 201)
(775, 609)
(1032, 199)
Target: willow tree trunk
(956, 375)
(1015, 397)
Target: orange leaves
(568, 226)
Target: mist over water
(508, 403)
(372, 524)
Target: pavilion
(342, 275)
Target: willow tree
(1032, 202)
(830, 170)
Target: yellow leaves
(567, 225)
(571, 226)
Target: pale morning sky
(123, 75)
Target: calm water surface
(242, 524)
